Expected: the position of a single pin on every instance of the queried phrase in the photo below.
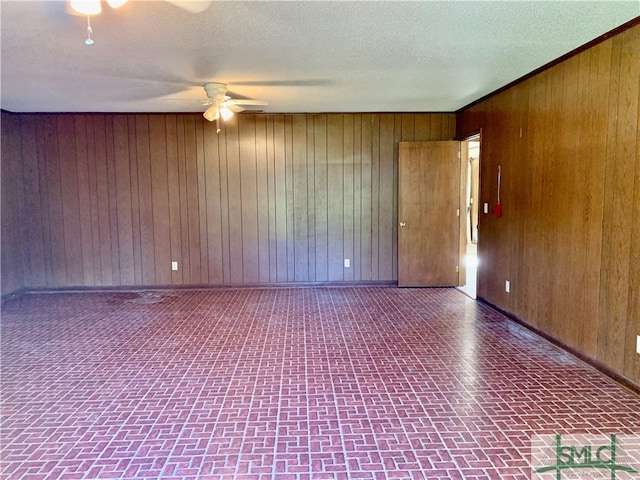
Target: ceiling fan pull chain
(89, 40)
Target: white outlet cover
(638, 344)
(507, 286)
(347, 263)
(174, 265)
(486, 208)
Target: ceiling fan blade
(192, 6)
(235, 108)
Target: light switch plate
(347, 263)
(174, 265)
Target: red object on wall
(498, 211)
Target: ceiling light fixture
(92, 7)
(212, 113)
(222, 105)
(86, 7)
(225, 113)
(116, 3)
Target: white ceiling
(151, 56)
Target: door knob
(402, 224)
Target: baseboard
(10, 296)
(139, 288)
(599, 366)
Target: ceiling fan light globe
(211, 113)
(86, 7)
(225, 113)
(116, 3)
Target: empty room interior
(320, 240)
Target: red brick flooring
(299, 383)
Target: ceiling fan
(94, 7)
(222, 105)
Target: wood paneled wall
(12, 202)
(568, 141)
(114, 199)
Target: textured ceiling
(151, 56)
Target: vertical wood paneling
(407, 127)
(366, 198)
(93, 201)
(387, 207)
(288, 153)
(200, 125)
(84, 199)
(145, 200)
(135, 201)
(160, 199)
(375, 198)
(263, 199)
(224, 207)
(348, 194)
(54, 201)
(213, 208)
(311, 198)
(114, 226)
(402, 127)
(300, 213)
(173, 182)
(123, 199)
(192, 221)
(249, 198)
(12, 205)
(632, 362)
(27, 150)
(568, 237)
(102, 193)
(621, 157)
(335, 198)
(321, 198)
(271, 198)
(114, 199)
(70, 200)
(356, 255)
(234, 193)
(43, 181)
(280, 198)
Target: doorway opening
(470, 153)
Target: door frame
(464, 175)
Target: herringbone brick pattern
(297, 383)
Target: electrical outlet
(347, 263)
(174, 265)
(507, 286)
(638, 344)
(486, 207)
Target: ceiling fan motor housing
(216, 91)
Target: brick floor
(288, 383)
